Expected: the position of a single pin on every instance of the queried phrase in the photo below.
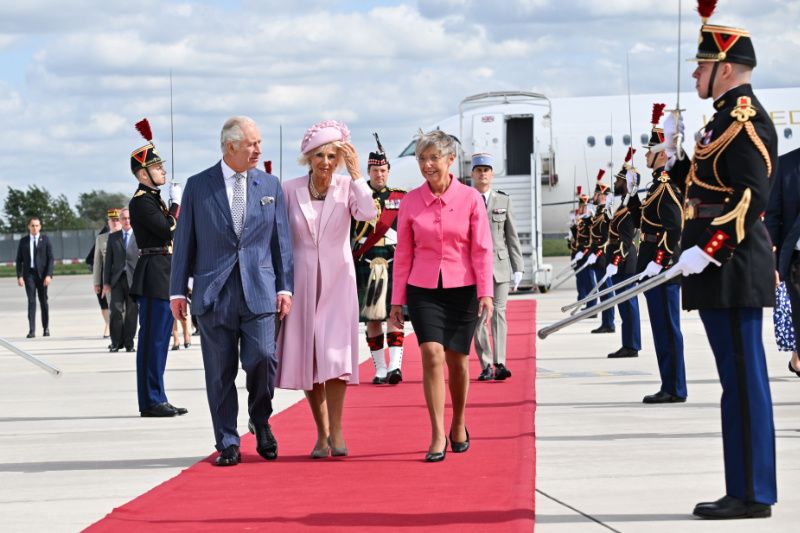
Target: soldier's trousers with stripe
(664, 308)
(748, 430)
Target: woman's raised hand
(351, 161)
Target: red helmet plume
(143, 126)
(629, 155)
(658, 112)
(706, 8)
(600, 174)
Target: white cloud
(93, 70)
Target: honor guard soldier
(598, 236)
(153, 225)
(508, 268)
(621, 252)
(728, 264)
(584, 280)
(660, 220)
(374, 242)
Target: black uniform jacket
(582, 237)
(598, 233)
(620, 247)
(726, 195)
(660, 220)
(153, 225)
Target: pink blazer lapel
(304, 201)
(333, 197)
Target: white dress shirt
(486, 197)
(228, 174)
(34, 240)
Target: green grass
(58, 270)
(554, 247)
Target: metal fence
(68, 245)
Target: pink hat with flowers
(323, 133)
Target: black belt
(159, 250)
(650, 237)
(699, 211)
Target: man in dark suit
(234, 239)
(783, 223)
(34, 272)
(153, 224)
(122, 255)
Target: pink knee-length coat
(318, 339)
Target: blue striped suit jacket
(207, 248)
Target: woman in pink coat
(318, 341)
(443, 272)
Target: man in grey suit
(122, 254)
(507, 259)
(233, 238)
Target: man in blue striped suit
(233, 238)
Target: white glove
(609, 201)
(517, 279)
(175, 193)
(650, 270)
(693, 261)
(670, 129)
(590, 208)
(578, 256)
(611, 270)
(572, 219)
(631, 179)
(592, 259)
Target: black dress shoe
(46, 332)
(266, 445)
(486, 374)
(663, 397)
(394, 376)
(159, 410)
(501, 372)
(30, 335)
(230, 456)
(459, 447)
(729, 507)
(130, 349)
(624, 352)
(791, 369)
(113, 349)
(435, 457)
(179, 410)
(378, 381)
(604, 329)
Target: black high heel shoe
(459, 447)
(791, 369)
(435, 457)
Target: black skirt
(446, 316)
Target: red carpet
(384, 484)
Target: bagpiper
(621, 252)
(660, 220)
(153, 226)
(728, 264)
(374, 242)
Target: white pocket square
(266, 200)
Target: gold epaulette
(140, 192)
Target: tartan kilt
(363, 272)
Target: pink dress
(318, 339)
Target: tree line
(56, 212)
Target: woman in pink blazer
(318, 341)
(443, 272)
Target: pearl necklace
(313, 190)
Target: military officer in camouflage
(728, 264)
(508, 268)
(373, 254)
(153, 226)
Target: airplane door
(488, 135)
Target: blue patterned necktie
(125, 239)
(237, 205)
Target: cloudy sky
(75, 77)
